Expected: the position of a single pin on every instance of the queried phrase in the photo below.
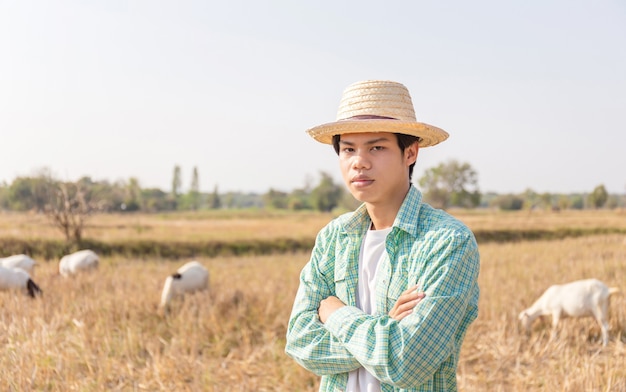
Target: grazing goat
(83, 260)
(191, 277)
(17, 278)
(19, 261)
(581, 298)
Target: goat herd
(16, 271)
(589, 297)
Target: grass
(211, 225)
(497, 356)
(263, 225)
(104, 332)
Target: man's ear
(410, 153)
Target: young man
(391, 288)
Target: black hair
(404, 141)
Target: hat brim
(429, 135)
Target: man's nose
(359, 161)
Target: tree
(132, 197)
(194, 190)
(508, 202)
(154, 199)
(276, 199)
(577, 202)
(215, 202)
(530, 199)
(299, 199)
(29, 193)
(4, 190)
(599, 196)
(546, 200)
(326, 195)
(612, 202)
(68, 208)
(20, 195)
(451, 184)
(177, 183)
(563, 202)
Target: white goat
(17, 278)
(76, 262)
(191, 277)
(581, 298)
(19, 261)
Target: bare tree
(68, 207)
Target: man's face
(373, 167)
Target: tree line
(68, 203)
(450, 184)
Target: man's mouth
(361, 181)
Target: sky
(532, 93)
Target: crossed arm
(326, 336)
(402, 308)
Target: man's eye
(378, 148)
(348, 149)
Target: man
(391, 288)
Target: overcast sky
(533, 93)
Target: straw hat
(377, 106)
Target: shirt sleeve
(308, 341)
(409, 352)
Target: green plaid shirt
(419, 353)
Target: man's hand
(406, 302)
(328, 306)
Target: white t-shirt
(372, 251)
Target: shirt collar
(408, 215)
(359, 221)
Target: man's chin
(361, 195)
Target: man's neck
(384, 214)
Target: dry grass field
(206, 225)
(497, 356)
(225, 226)
(103, 331)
